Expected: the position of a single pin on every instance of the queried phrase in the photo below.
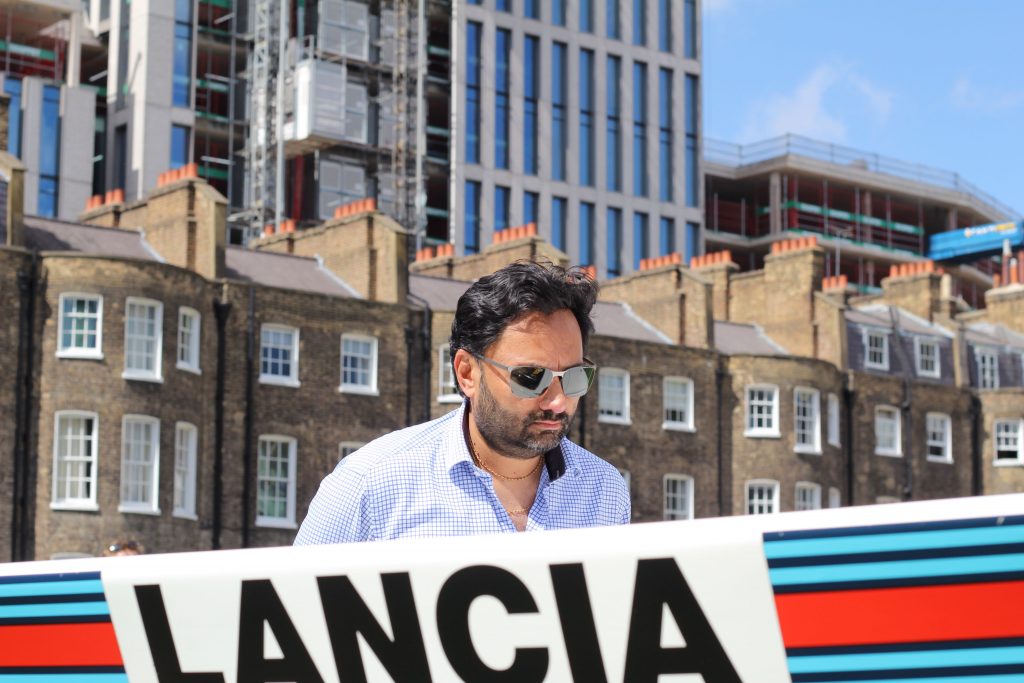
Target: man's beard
(509, 434)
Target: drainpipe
(849, 397)
(427, 351)
(247, 453)
(221, 310)
(21, 527)
(977, 483)
(720, 437)
(410, 335)
(907, 434)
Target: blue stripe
(54, 609)
(40, 578)
(894, 542)
(64, 678)
(874, 529)
(896, 570)
(906, 660)
(997, 678)
(51, 588)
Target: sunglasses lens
(576, 381)
(529, 381)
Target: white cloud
(806, 111)
(966, 94)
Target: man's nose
(554, 398)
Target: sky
(934, 82)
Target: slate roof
(877, 315)
(992, 334)
(284, 271)
(46, 234)
(735, 338)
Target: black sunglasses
(530, 381)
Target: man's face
(518, 427)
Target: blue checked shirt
(421, 481)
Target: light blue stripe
(54, 609)
(63, 678)
(1001, 678)
(868, 571)
(20, 590)
(911, 540)
(906, 660)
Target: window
(185, 446)
(143, 339)
(613, 29)
(587, 16)
(74, 460)
(833, 419)
(347, 448)
(140, 464)
(358, 364)
(988, 368)
(558, 12)
(502, 199)
(806, 420)
(188, 339)
(665, 134)
(640, 243)
(678, 490)
(692, 175)
(586, 117)
(182, 79)
(559, 100)
(938, 436)
(808, 496)
(447, 392)
(559, 218)
(639, 129)
(586, 233)
(1008, 442)
(666, 236)
(49, 153)
(503, 5)
(876, 349)
(665, 25)
(613, 395)
(834, 499)
(81, 326)
(613, 232)
(926, 355)
(357, 109)
(472, 218)
(887, 431)
(503, 46)
(12, 87)
(179, 146)
(279, 355)
(531, 9)
(275, 482)
(677, 393)
(639, 22)
(531, 207)
(762, 411)
(473, 40)
(691, 241)
(762, 497)
(613, 133)
(531, 94)
(690, 29)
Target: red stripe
(902, 615)
(59, 645)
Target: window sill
(131, 510)
(180, 514)
(888, 454)
(929, 375)
(276, 524)
(940, 461)
(807, 450)
(189, 368)
(835, 444)
(362, 391)
(280, 381)
(1008, 463)
(606, 419)
(880, 368)
(153, 379)
(677, 427)
(761, 435)
(75, 507)
(80, 355)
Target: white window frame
(759, 432)
(618, 414)
(59, 461)
(186, 447)
(674, 513)
(761, 484)
(833, 420)
(77, 351)
(897, 451)
(887, 500)
(292, 379)
(869, 332)
(685, 425)
(980, 353)
(152, 506)
(189, 344)
(369, 389)
(932, 420)
(835, 499)
(920, 343)
(447, 391)
(288, 521)
(814, 447)
(812, 490)
(154, 375)
(346, 448)
(1018, 434)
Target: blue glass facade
(640, 241)
(471, 225)
(49, 152)
(531, 206)
(182, 78)
(473, 37)
(179, 146)
(586, 233)
(665, 25)
(613, 234)
(639, 129)
(666, 236)
(503, 5)
(531, 94)
(613, 134)
(587, 16)
(559, 120)
(502, 200)
(531, 9)
(692, 240)
(692, 178)
(665, 134)
(613, 28)
(503, 46)
(559, 219)
(639, 22)
(558, 12)
(13, 88)
(690, 29)
(586, 117)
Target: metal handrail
(734, 155)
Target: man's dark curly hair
(496, 300)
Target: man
(501, 462)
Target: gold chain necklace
(479, 461)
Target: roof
(993, 334)
(441, 294)
(878, 315)
(734, 338)
(285, 271)
(46, 234)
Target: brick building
(137, 333)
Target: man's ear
(467, 372)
